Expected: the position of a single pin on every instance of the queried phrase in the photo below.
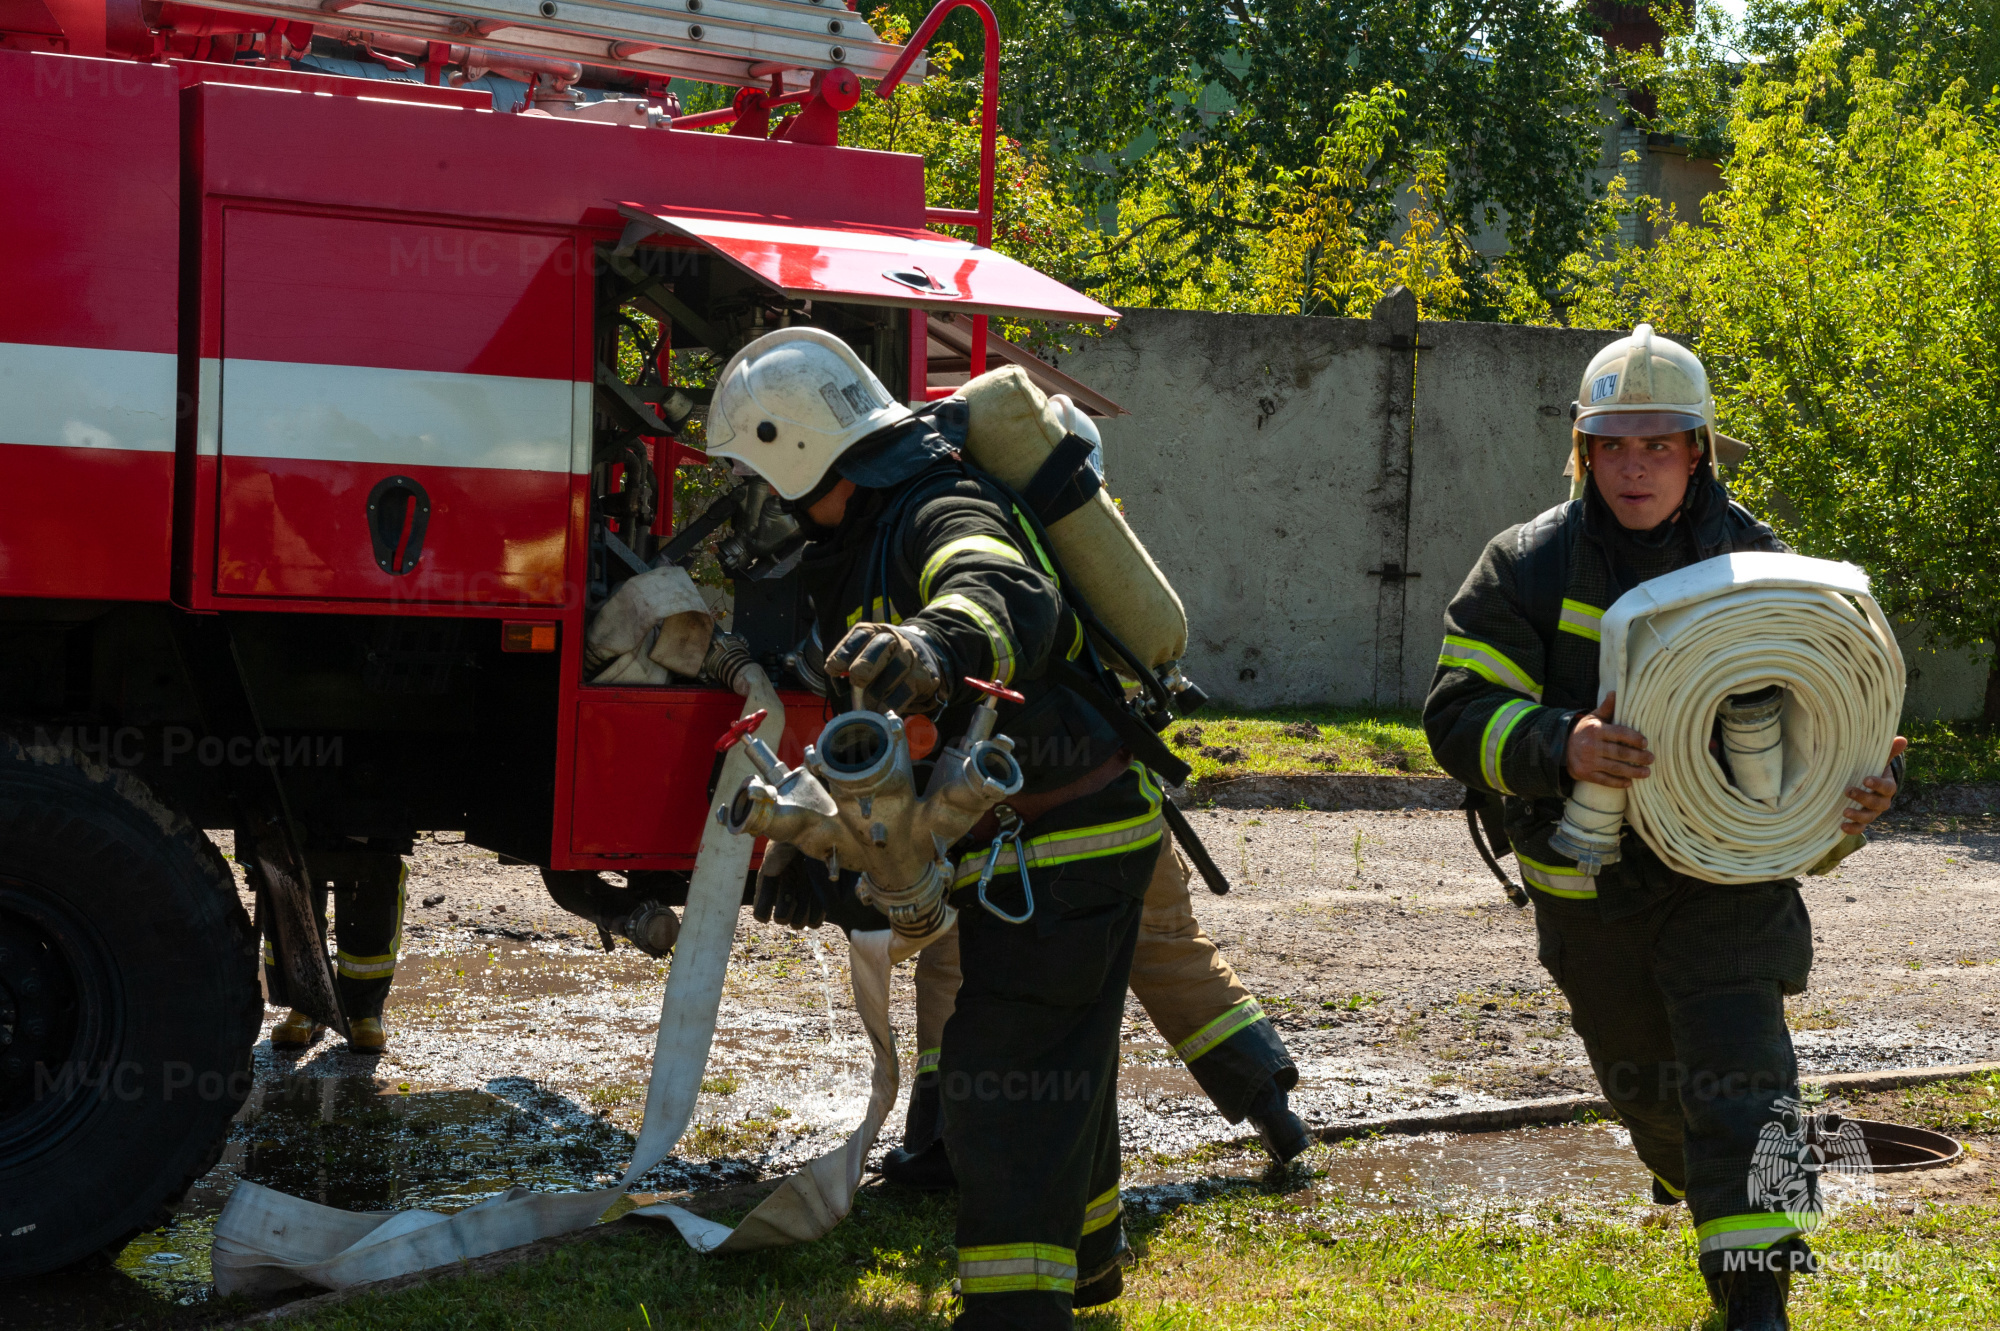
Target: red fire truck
(316, 457)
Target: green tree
(1206, 105)
(1845, 294)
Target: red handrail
(980, 219)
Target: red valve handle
(739, 730)
(994, 689)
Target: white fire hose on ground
(1797, 661)
(267, 1241)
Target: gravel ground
(1398, 974)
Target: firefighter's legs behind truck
(1681, 1008)
(1029, 1075)
(366, 888)
(1188, 990)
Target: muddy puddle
(343, 1142)
(1584, 1164)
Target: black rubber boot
(928, 1170)
(1752, 1300)
(1101, 1290)
(920, 1162)
(1283, 1133)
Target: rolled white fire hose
(1797, 661)
(267, 1241)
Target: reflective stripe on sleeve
(1585, 621)
(1678, 1194)
(1101, 1211)
(927, 1060)
(1556, 880)
(1498, 727)
(950, 550)
(1003, 1268)
(1490, 664)
(1028, 530)
(1002, 645)
(270, 957)
(1246, 1013)
(893, 616)
(1752, 1231)
(1076, 843)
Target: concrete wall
(1285, 471)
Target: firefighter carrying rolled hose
(1676, 986)
(921, 577)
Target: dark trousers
(1029, 1075)
(366, 890)
(1681, 1007)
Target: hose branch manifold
(1791, 666)
(853, 804)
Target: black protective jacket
(1519, 665)
(943, 551)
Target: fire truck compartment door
(397, 415)
(906, 267)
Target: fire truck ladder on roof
(745, 43)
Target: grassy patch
(1967, 1107)
(1947, 751)
(1224, 742)
(1243, 1258)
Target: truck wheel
(128, 1007)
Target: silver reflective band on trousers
(1702, 642)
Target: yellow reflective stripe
(1585, 621)
(365, 968)
(893, 617)
(1246, 1013)
(950, 550)
(1003, 647)
(270, 957)
(1028, 530)
(927, 1060)
(1490, 663)
(1753, 1231)
(1004, 1268)
(1494, 741)
(1556, 880)
(1670, 1189)
(1078, 843)
(1101, 1212)
(1076, 648)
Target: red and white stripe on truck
(354, 352)
(89, 391)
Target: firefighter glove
(786, 892)
(893, 668)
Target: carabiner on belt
(1010, 831)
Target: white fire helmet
(1644, 385)
(791, 402)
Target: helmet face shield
(1639, 424)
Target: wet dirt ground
(1399, 976)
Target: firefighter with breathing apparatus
(922, 575)
(1676, 986)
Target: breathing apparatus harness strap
(1064, 482)
(1480, 808)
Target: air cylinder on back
(1012, 430)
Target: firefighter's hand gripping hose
(1795, 660)
(265, 1240)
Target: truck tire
(128, 1007)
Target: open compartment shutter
(906, 267)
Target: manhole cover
(1896, 1149)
